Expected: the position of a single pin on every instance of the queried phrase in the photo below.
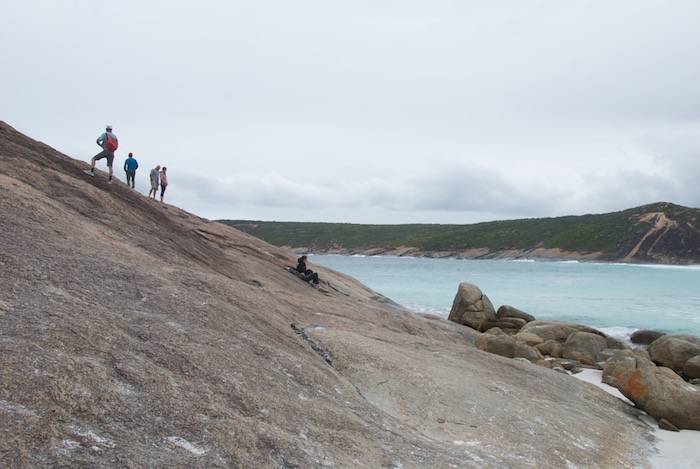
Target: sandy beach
(676, 450)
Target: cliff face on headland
(135, 334)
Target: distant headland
(658, 233)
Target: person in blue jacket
(130, 167)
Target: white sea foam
(619, 332)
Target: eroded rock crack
(300, 332)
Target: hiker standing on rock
(163, 182)
(130, 167)
(309, 275)
(155, 180)
(109, 143)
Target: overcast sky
(370, 111)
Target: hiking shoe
(87, 171)
(109, 181)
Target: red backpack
(111, 143)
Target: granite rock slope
(135, 334)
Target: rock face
(471, 307)
(656, 389)
(135, 334)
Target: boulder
(471, 307)
(529, 339)
(497, 342)
(568, 364)
(673, 350)
(531, 354)
(645, 336)
(616, 344)
(605, 355)
(692, 367)
(619, 368)
(666, 425)
(559, 331)
(657, 390)
(513, 323)
(549, 347)
(508, 328)
(584, 347)
(506, 311)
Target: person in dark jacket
(309, 275)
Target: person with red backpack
(109, 143)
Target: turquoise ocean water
(615, 298)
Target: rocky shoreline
(540, 254)
(660, 376)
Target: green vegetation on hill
(613, 234)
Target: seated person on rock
(307, 274)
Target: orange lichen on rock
(634, 387)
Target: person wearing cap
(130, 167)
(105, 153)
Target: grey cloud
(416, 111)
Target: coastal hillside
(135, 334)
(657, 233)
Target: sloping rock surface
(135, 334)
